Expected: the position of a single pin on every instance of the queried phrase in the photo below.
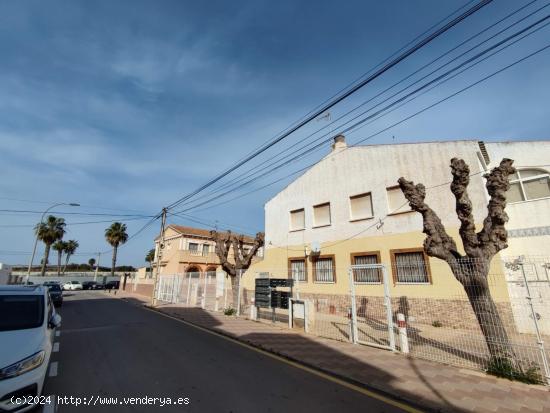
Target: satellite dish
(315, 247)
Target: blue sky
(125, 106)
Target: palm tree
(70, 249)
(150, 257)
(59, 246)
(91, 263)
(115, 236)
(49, 232)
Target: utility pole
(159, 257)
(97, 266)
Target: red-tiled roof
(200, 232)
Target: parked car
(56, 293)
(99, 286)
(110, 285)
(72, 285)
(89, 285)
(27, 331)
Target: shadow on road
(312, 353)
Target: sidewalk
(435, 386)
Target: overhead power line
(340, 98)
(393, 104)
(273, 160)
(462, 90)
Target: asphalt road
(110, 348)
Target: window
(20, 312)
(321, 215)
(205, 249)
(297, 219)
(397, 203)
(297, 269)
(410, 266)
(528, 184)
(323, 269)
(193, 247)
(360, 206)
(366, 275)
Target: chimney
(339, 143)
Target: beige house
(190, 250)
(348, 210)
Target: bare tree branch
(459, 185)
(223, 243)
(437, 243)
(242, 260)
(493, 237)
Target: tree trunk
(59, 262)
(113, 264)
(66, 263)
(45, 260)
(490, 322)
(473, 275)
(235, 290)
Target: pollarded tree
(472, 268)
(242, 257)
(116, 235)
(48, 232)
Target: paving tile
(428, 383)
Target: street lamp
(36, 238)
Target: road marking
(50, 407)
(57, 333)
(315, 372)
(53, 369)
(55, 347)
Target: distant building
(5, 273)
(191, 250)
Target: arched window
(527, 184)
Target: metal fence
(409, 306)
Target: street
(112, 348)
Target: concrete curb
(392, 395)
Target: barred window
(324, 269)
(410, 267)
(298, 270)
(366, 275)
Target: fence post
(203, 305)
(353, 318)
(387, 303)
(540, 342)
(239, 294)
(290, 315)
(188, 287)
(403, 339)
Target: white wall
(5, 271)
(372, 169)
(529, 224)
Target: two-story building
(190, 250)
(347, 209)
